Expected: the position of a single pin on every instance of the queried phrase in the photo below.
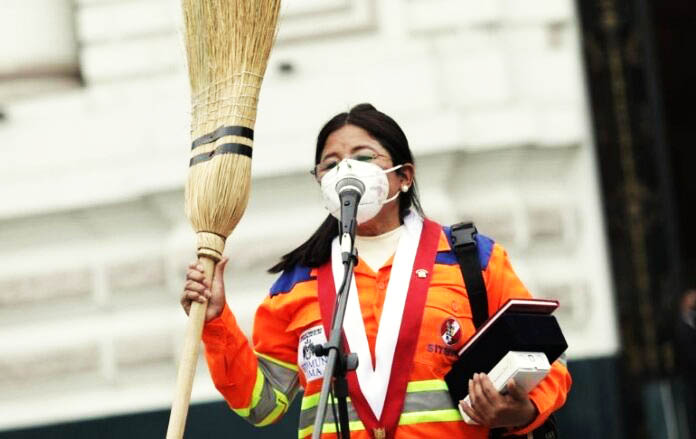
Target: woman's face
(350, 141)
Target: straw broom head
(228, 43)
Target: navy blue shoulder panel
(290, 278)
(484, 244)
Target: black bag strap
(463, 242)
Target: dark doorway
(675, 35)
(640, 78)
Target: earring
(404, 188)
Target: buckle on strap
(463, 235)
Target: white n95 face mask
(376, 188)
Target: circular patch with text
(451, 331)
(311, 365)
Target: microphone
(350, 190)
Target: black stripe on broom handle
(222, 132)
(225, 148)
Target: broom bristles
(228, 44)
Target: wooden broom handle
(189, 359)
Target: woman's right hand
(198, 288)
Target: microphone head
(350, 183)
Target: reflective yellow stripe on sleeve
(275, 387)
(281, 406)
(255, 395)
(278, 362)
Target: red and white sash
(378, 394)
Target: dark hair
(317, 249)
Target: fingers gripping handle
(189, 359)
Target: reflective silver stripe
(420, 401)
(427, 401)
(266, 404)
(284, 379)
(276, 378)
(308, 415)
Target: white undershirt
(376, 250)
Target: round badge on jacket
(451, 331)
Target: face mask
(376, 188)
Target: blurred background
(562, 128)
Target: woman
(408, 319)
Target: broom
(228, 43)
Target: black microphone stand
(339, 363)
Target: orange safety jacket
(260, 383)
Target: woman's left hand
(490, 408)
